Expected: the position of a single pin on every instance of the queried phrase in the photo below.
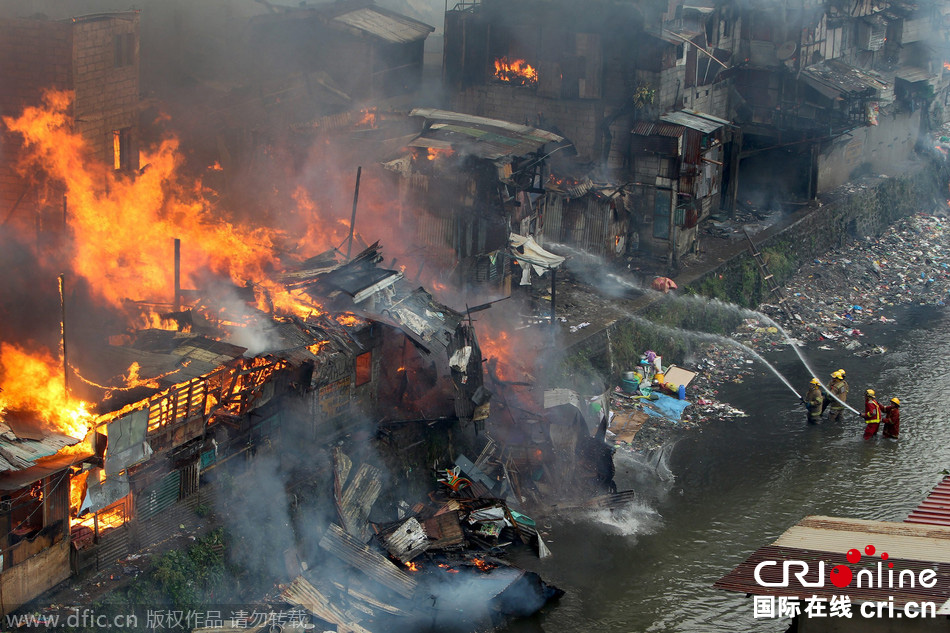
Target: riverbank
(843, 263)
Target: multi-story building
(94, 61)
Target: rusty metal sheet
(372, 563)
(407, 541)
(386, 25)
(303, 594)
(358, 499)
(742, 579)
(935, 509)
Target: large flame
(124, 227)
(516, 71)
(33, 381)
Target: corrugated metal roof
(935, 509)
(652, 128)
(386, 25)
(486, 138)
(900, 540)
(705, 123)
(828, 539)
(742, 579)
(407, 541)
(18, 453)
(372, 563)
(303, 594)
(357, 500)
(833, 78)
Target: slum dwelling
(104, 437)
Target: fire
(482, 564)
(77, 490)
(433, 153)
(369, 118)
(448, 569)
(349, 320)
(411, 566)
(215, 166)
(124, 227)
(516, 71)
(946, 65)
(151, 320)
(34, 382)
(497, 344)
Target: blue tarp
(665, 407)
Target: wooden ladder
(769, 278)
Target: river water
(726, 488)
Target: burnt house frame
(684, 153)
(473, 181)
(34, 516)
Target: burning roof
(492, 139)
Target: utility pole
(356, 198)
(177, 297)
(62, 332)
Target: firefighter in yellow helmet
(838, 387)
(872, 414)
(813, 400)
(892, 418)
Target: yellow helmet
(815, 381)
(896, 401)
(841, 371)
(837, 374)
(869, 392)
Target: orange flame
(124, 226)
(215, 166)
(349, 320)
(433, 153)
(516, 71)
(34, 382)
(483, 565)
(369, 118)
(946, 65)
(411, 566)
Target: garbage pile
(837, 295)
(651, 401)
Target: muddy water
(729, 487)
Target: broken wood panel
(358, 499)
(303, 594)
(445, 529)
(626, 425)
(373, 564)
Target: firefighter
(872, 414)
(838, 387)
(892, 418)
(813, 400)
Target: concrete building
(95, 60)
